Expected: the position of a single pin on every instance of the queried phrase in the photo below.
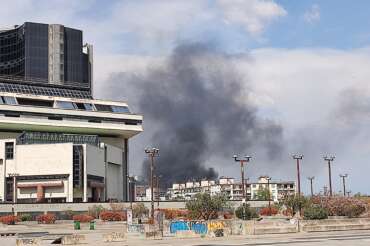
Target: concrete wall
(45, 159)
(42, 207)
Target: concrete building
(233, 190)
(58, 143)
(47, 53)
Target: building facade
(58, 143)
(46, 53)
(233, 190)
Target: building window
(9, 100)
(77, 166)
(9, 150)
(64, 105)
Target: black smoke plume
(197, 106)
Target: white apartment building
(233, 190)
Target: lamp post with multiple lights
(329, 159)
(242, 161)
(152, 152)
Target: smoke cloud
(197, 106)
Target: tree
(204, 206)
(295, 202)
(245, 212)
(262, 194)
(139, 210)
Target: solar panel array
(45, 91)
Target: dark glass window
(35, 102)
(120, 109)
(89, 106)
(65, 105)
(9, 150)
(102, 107)
(77, 166)
(9, 100)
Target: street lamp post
(329, 159)
(152, 152)
(242, 161)
(269, 195)
(311, 182)
(344, 182)
(131, 193)
(298, 158)
(157, 179)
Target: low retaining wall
(59, 207)
(335, 225)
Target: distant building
(233, 190)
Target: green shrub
(315, 213)
(295, 202)
(26, 217)
(206, 207)
(354, 210)
(68, 214)
(95, 211)
(139, 210)
(245, 212)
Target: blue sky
(306, 64)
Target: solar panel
(45, 91)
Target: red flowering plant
(46, 219)
(341, 206)
(9, 219)
(83, 218)
(113, 216)
(267, 212)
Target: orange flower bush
(171, 214)
(83, 218)
(113, 216)
(9, 219)
(266, 211)
(46, 219)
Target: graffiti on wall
(216, 225)
(136, 228)
(199, 227)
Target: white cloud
(253, 15)
(313, 14)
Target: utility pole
(311, 182)
(329, 159)
(152, 152)
(157, 178)
(246, 188)
(242, 161)
(344, 182)
(298, 158)
(269, 195)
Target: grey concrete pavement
(302, 239)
